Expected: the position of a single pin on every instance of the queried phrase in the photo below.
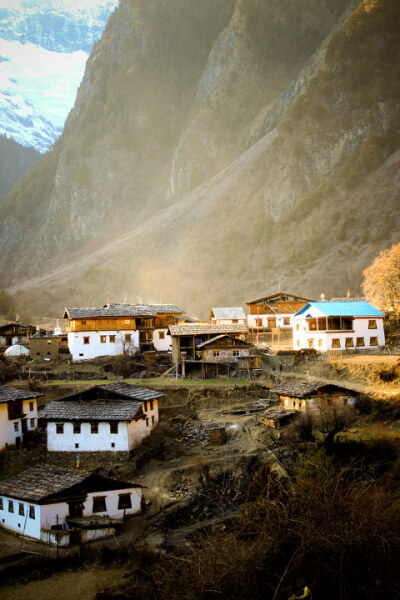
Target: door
(24, 425)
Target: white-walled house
(18, 414)
(347, 325)
(273, 311)
(115, 329)
(58, 505)
(228, 315)
(114, 417)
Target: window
(286, 321)
(86, 340)
(298, 343)
(83, 322)
(153, 420)
(128, 337)
(124, 501)
(234, 320)
(31, 406)
(215, 352)
(336, 343)
(347, 324)
(59, 427)
(320, 343)
(31, 512)
(103, 339)
(259, 322)
(127, 321)
(114, 427)
(1, 503)
(161, 335)
(360, 341)
(32, 421)
(10, 506)
(236, 353)
(312, 324)
(113, 445)
(298, 327)
(372, 324)
(147, 422)
(16, 426)
(94, 428)
(311, 343)
(349, 343)
(76, 445)
(373, 341)
(77, 427)
(151, 405)
(21, 509)
(99, 504)
(112, 339)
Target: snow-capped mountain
(44, 45)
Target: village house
(186, 337)
(60, 506)
(18, 415)
(228, 316)
(338, 326)
(227, 349)
(119, 328)
(49, 347)
(273, 311)
(313, 395)
(17, 333)
(115, 417)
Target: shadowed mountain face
(215, 150)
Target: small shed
(309, 395)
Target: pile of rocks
(194, 433)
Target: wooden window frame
(349, 342)
(94, 428)
(372, 324)
(124, 501)
(1, 504)
(161, 335)
(103, 339)
(112, 339)
(31, 512)
(86, 340)
(99, 504)
(32, 422)
(360, 343)
(236, 353)
(10, 506)
(21, 509)
(31, 406)
(114, 427)
(375, 343)
(336, 343)
(59, 428)
(77, 428)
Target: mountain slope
(15, 161)
(305, 193)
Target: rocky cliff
(215, 150)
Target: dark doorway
(24, 425)
(18, 443)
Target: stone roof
(95, 410)
(302, 389)
(221, 337)
(44, 481)
(41, 481)
(230, 312)
(278, 297)
(9, 394)
(135, 392)
(206, 329)
(116, 309)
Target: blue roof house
(346, 325)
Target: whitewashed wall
(302, 335)
(81, 351)
(228, 321)
(111, 498)
(227, 355)
(87, 441)
(18, 523)
(162, 345)
(252, 320)
(8, 434)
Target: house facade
(119, 328)
(18, 333)
(105, 418)
(338, 326)
(228, 315)
(313, 395)
(273, 311)
(57, 505)
(18, 415)
(186, 337)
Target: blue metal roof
(343, 309)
